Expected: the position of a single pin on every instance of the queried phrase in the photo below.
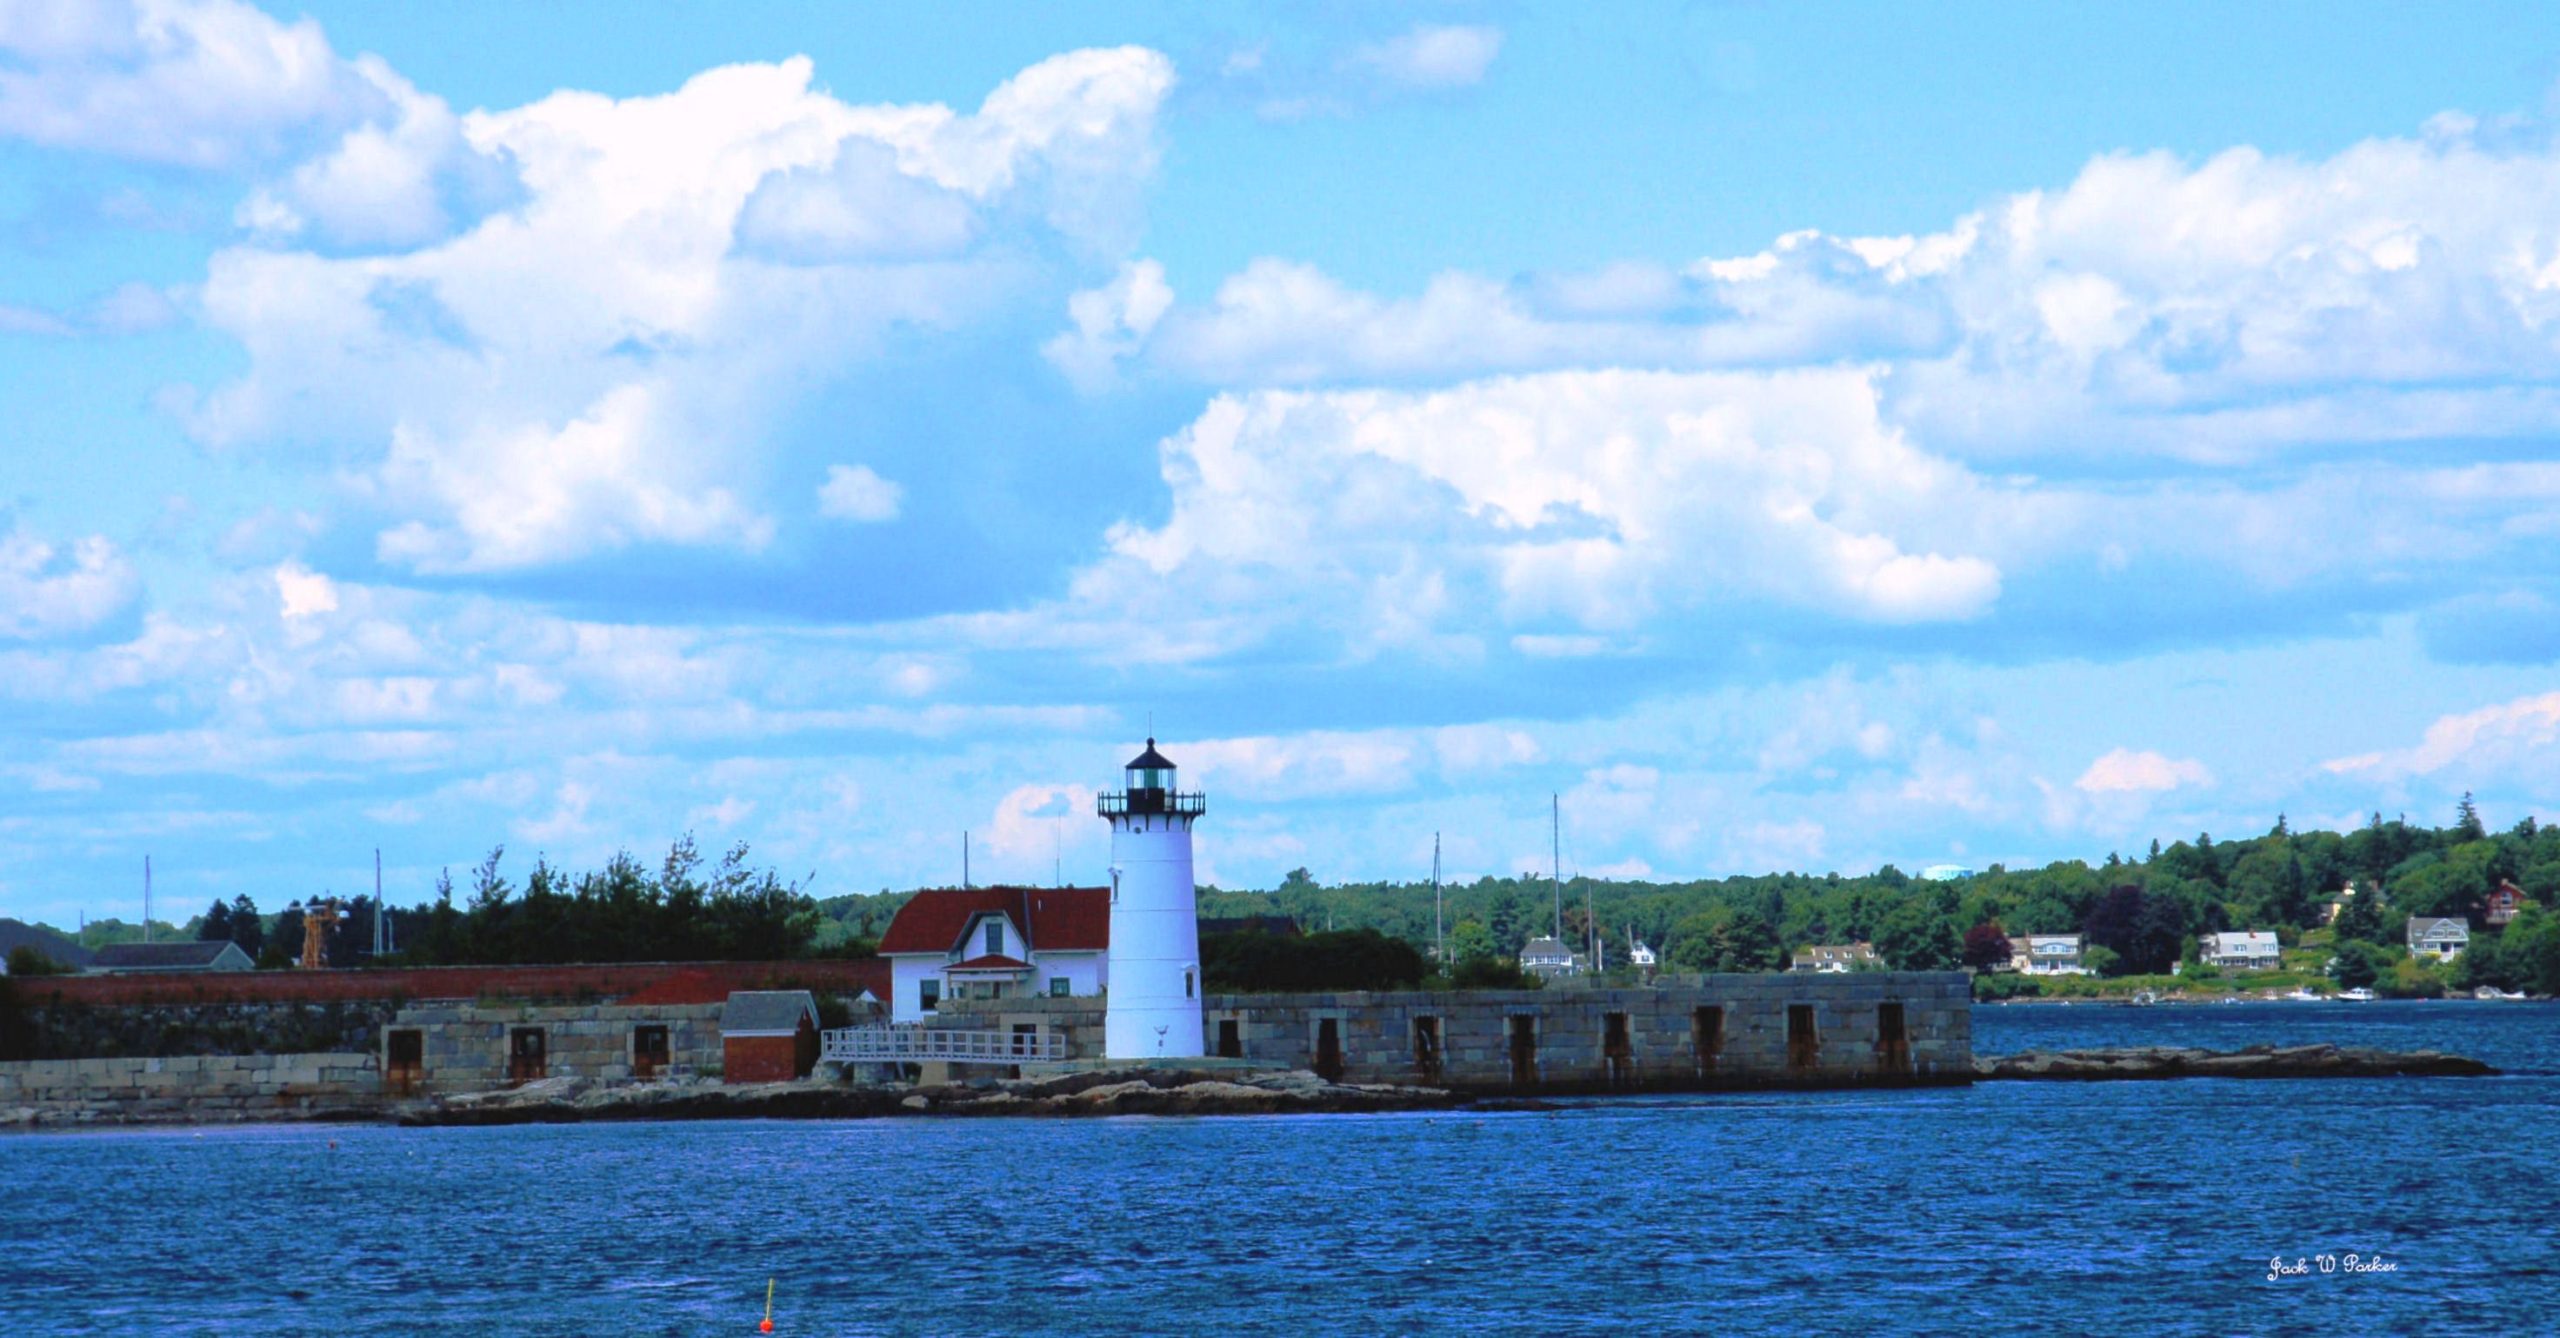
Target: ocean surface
(2123, 1208)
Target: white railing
(920, 1045)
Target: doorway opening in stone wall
(1804, 1047)
(1230, 1039)
(1524, 1050)
(404, 1059)
(528, 1055)
(1426, 1049)
(1706, 1036)
(1619, 1048)
(1893, 1043)
(1329, 1049)
(650, 1053)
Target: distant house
(135, 958)
(2504, 902)
(1833, 958)
(2046, 955)
(995, 943)
(768, 1036)
(1549, 958)
(1640, 956)
(61, 951)
(2253, 950)
(2440, 937)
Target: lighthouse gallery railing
(923, 1045)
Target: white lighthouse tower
(1152, 1003)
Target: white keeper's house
(996, 943)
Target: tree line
(686, 908)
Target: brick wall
(435, 982)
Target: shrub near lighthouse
(1153, 1000)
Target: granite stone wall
(193, 1089)
(468, 1047)
(1680, 1033)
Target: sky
(1793, 437)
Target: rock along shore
(2257, 1061)
(1132, 1092)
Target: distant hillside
(18, 933)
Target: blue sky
(1802, 437)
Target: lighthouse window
(1186, 984)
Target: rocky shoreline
(1124, 1092)
(2257, 1061)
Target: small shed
(213, 955)
(768, 1036)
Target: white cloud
(596, 364)
(303, 593)
(2124, 771)
(2487, 742)
(853, 492)
(1596, 500)
(1109, 323)
(1434, 55)
(199, 83)
(49, 590)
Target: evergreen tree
(215, 927)
(248, 928)
(2466, 821)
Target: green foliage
(2360, 964)
(27, 959)
(685, 910)
(1917, 938)
(1254, 962)
(2006, 985)
(1721, 938)
(1493, 973)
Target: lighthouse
(1152, 1007)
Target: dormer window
(995, 938)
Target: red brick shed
(768, 1036)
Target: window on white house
(1060, 987)
(929, 994)
(995, 938)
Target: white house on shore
(2253, 950)
(1549, 958)
(1835, 958)
(2046, 955)
(2441, 938)
(996, 943)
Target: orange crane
(316, 921)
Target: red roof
(1055, 919)
(877, 976)
(990, 962)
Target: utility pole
(146, 898)
(1555, 857)
(964, 859)
(1439, 943)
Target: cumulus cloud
(197, 83)
(1597, 501)
(593, 365)
(1109, 323)
(853, 492)
(1433, 55)
(2486, 742)
(2124, 771)
(2218, 311)
(50, 590)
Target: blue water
(2066, 1208)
